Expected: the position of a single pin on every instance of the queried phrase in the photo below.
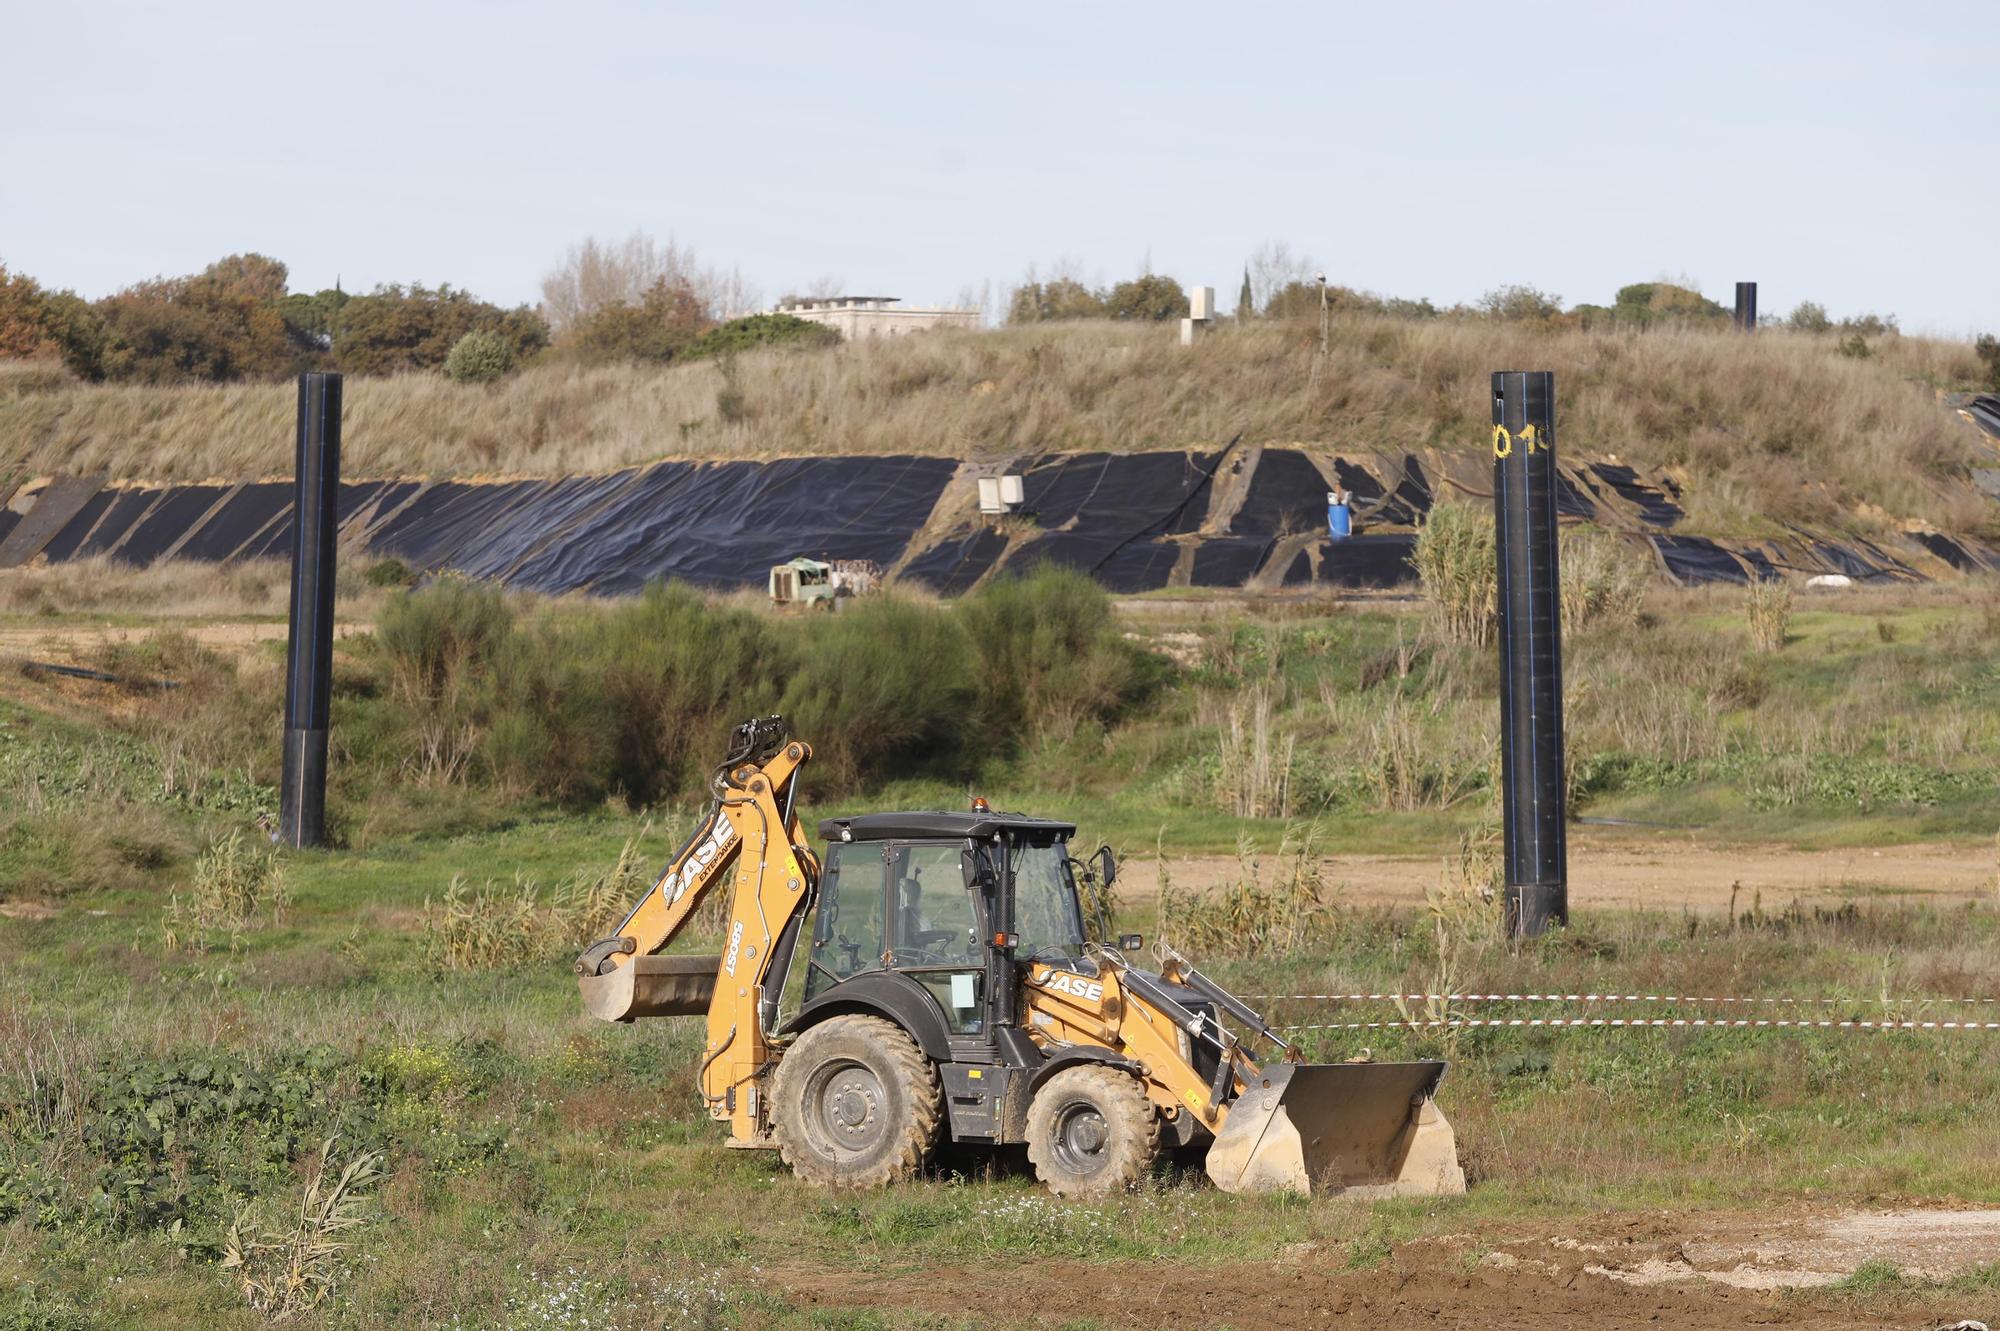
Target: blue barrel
(1339, 520)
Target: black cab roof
(927, 825)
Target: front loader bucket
(1359, 1129)
(651, 987)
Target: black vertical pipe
(1531, 696)
(1746, 306)
(309, 659)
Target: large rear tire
(855, 1104)
(1092, 1130)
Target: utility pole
(1325, 326)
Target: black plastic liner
(65, 543)
(1572, 500)
(1407, 501)
(725, 524)
(538, 521)
(104, 531)
(1287, 494)
(169, 520)
(951, 567)
(1653, 506)
(355, 496)
(1120, 565)
(1132, 521)
(1865, 562)
(247, 512)
(1229, 561)
(1984, 409)
(1762, 569)
(1378, 561)
(1132, 494)
(450, 517)
(1693, 560)
(1359, 482)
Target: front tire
(855, 1104)
(1092, 1130)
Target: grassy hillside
(1775, 426)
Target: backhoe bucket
(1357, 1129)
(651, 987)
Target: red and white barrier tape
(1597, 998)
(1727, 1022)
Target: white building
(859, 317)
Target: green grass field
(539, 1169)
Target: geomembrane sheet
(725, 524)
(112, 523)
(1653, 506)
(1287, 494)
(63, 545)
(168, 520)
(1693, 560)
(951, 566)
(245, 514)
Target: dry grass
(1249, 917)
(1773, 425)
(1768, 607)
(234, 884)
(494, 926)
(1254, 760)
(1455, 561)
(286, 1271)
(174, 589)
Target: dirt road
(1694, 1270)
(1616, 872)
(65, 641)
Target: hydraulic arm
(749, 840)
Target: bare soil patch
(1697, 1271)
(1621, 874)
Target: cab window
(932, 912)
(848, 935)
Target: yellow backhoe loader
(929, 979)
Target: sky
(1835, 152)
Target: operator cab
(952, 901)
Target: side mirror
(1131, 942)
(1107, 866)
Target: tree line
(239, 320)
(637, 299)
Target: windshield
(1045, 913)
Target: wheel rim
(848, 1108)
(1082, 1137)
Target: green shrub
(480, 357)
(633, 697)
(1987, 348)
(885, 687)
(1050, 659)
(658, 328)
(1153, 297)
(394, 329)
(761, 330)
(436, 635)
(389, 573)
